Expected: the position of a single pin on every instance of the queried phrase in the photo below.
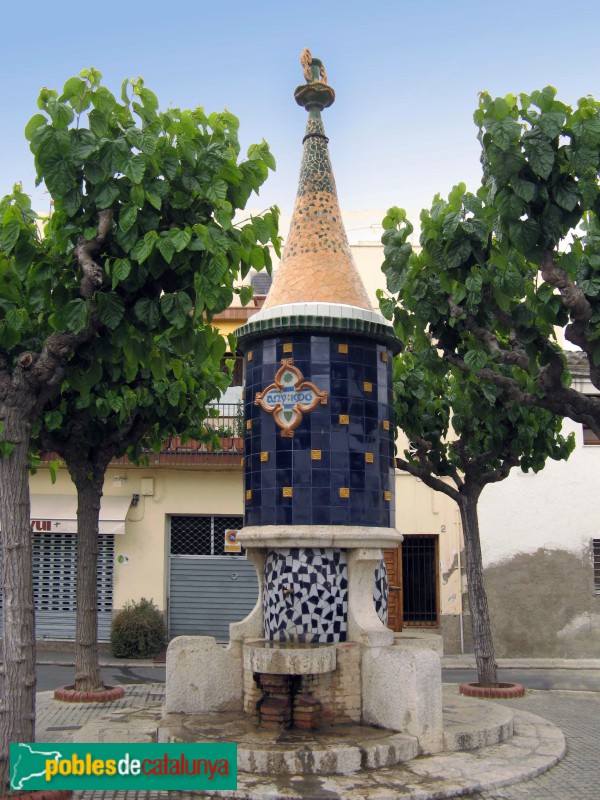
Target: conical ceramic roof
(317, 264)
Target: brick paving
(577, 776)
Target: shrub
(138, 631)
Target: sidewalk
(467, 661)
(576, 777)
(62, 654)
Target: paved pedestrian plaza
(575, 777)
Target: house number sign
(289, 397)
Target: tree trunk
(487, 669)
(17, 710)
(87, 668)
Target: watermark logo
(117, 767)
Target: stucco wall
(536, 533)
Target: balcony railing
(229, 428)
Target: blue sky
(406, 76)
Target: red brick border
(503, 691)
(43, 794)
(68, 694)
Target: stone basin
(288, 658)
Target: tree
(109, 311)
(463, 435)
(519, 260)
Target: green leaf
(474, 282)
(541, 157)
(110, 309)
(566, 197)
(584, 158)
(147, 311)
(135, 167)
(257, 257)
(173, 393)
(166, 248)
(544, 99)
(6, 448)
(60, 113)
(106, 194)
(127, 217)
(142, 249)
(509, 205)
(551, 123)
(74, 315)
(37, 121)
(523, 189)
(505, 132)
(15, 317)
(9, 235)
(138, 195)
(524, 234)
(475, 360)
(246, 294)
(180, 238)
(176, 308)
(154, 199)
(121, 267)
(177, 368)
(148, 144)
(53, 420)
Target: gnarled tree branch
(93, 273)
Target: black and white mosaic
(305, 595)
(380, 592)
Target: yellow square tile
(250, 355)
(248, 494)
(344, 419)
(369, 458)
(387, 496)
(287, 491)
(343, 348)
(384, 357)
(248, 424)
(264, 456)
(344, 491)
(368, 386)
(315, 455)
(288, 347)
(385, 424)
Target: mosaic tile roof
(317, 264)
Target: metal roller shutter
(208, 588)
(54, 584)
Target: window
(202, 536)
(596, 562)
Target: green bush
(138, 631)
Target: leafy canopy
(501, 270)
(145, 201)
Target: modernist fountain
(319, 495)
(312, 682)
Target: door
(420, 580)
(208, 587)
(393, 564)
